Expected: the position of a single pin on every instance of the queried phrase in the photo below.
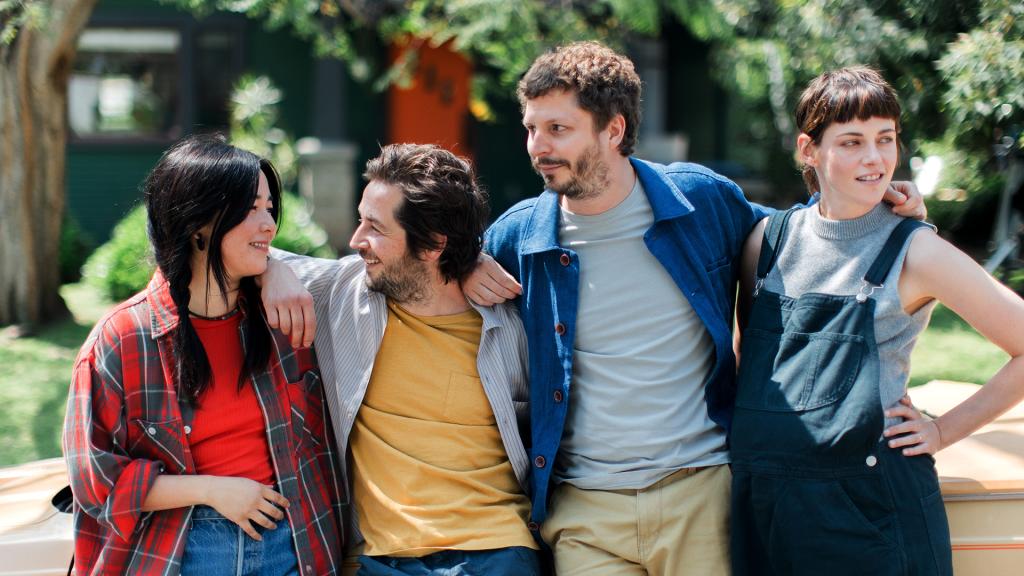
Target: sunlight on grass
(951, 350)
(35, 376)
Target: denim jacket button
(539, 461)
(564, 259)
(557, 395)
(559, 328)
(533, 526)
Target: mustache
(550, 161)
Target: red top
(228, 435)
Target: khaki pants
(679, 525)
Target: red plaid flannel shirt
(124, 426)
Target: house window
(124, 84)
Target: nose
(536, 144)
(358, 239)
(872, 154)
(267, 223)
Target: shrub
(973, 185)
(75, 246)
(123, 265)
(298, 233)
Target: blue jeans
(514, 561)
(216, 546)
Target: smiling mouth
(260, 245)
(869, 178)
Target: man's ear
(806, 150)
(434, 254)
(616, 130)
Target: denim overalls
(815, 490)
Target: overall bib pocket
(797, 371)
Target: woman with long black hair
(195, 436)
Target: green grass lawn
(951, 350)
(36, 370)
(34, 378)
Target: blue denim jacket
(701, 221)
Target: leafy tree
(956, 63)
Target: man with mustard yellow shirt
(427, 392)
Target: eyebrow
(372, 220)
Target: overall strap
(897, 238)
(771, 244)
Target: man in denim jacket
(627, 273)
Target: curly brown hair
(604, 82)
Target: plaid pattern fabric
(124, 426)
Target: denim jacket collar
(542, 230)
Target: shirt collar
(542, 228)
(163, 311)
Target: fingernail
(892, 444)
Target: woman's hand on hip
(916, 434)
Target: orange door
(434, 109)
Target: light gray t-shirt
(641, 360)
(832, 257)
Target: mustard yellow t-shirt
(430, 471)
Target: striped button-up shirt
(125, 426)
(351, 320)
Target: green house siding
(288, 62)
(104, 184)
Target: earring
(200, 243)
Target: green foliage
(18, 14)
(963, 207)
(298, 233)
(75, 246)
(957, 65)
(123, 265)
(985, 76)
(254, 116)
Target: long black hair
(203, 180)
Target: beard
(588, 176)
(404, 281)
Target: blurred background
(93, 91)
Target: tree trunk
(34, 72)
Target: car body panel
(982, 483)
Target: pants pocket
(938, 533)
(818, 528)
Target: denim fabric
(216, 546)
(814, 490)
(514, 561)
(701, 221)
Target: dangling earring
(200, 243)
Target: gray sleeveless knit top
(832, 257)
